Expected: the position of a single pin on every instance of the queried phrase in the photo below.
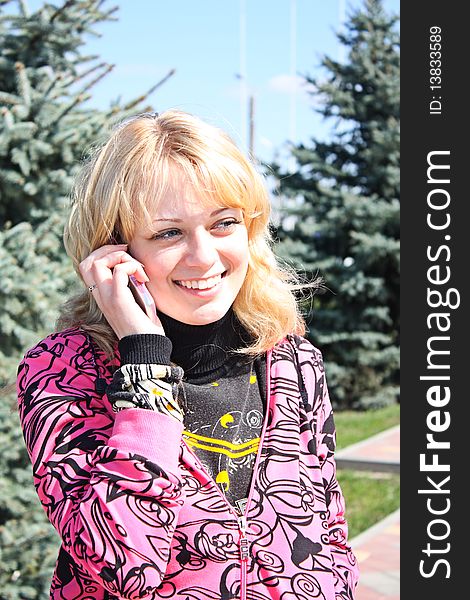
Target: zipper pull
(244, 544)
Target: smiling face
(195, 255)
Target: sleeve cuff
(145, 348)
(153, 435)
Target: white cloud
(265, 142)
(288, 84)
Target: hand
(109, 268)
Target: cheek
(244, 262)
(159, 265)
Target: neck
(205, 350)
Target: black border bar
(435, 250)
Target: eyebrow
(213, 214)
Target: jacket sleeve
(109, 483)
(344, 562)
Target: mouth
(201, 284)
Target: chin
(205, 315)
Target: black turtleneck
(207, 351)
(224, 410)
(204, 352)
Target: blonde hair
(113, 193)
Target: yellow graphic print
(226, 419)
(222, 446)
(223, 479)
(252, 380)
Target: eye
(166, 235)
(227, 224)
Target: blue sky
(223, 52)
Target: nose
(201, 250)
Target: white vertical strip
(243, 76)
(293, 74)
(293, 71)
(341, 19)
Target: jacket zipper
(243, 543)
(242, 520)
(244, 553)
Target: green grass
(370, 497)
(353, 426)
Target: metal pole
(252, 125)
(243, 74)
(293, 70)
(291, 165)
(341, 19)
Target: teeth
(200, 284)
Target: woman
(185, 452)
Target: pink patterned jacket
(138, 515)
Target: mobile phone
(143, 298)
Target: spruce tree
(341, 212)
(46, 125)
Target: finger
(109, 258)
(112, 285)
(122, 271)
(93, 268)
(103, 251)
(115, 299)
